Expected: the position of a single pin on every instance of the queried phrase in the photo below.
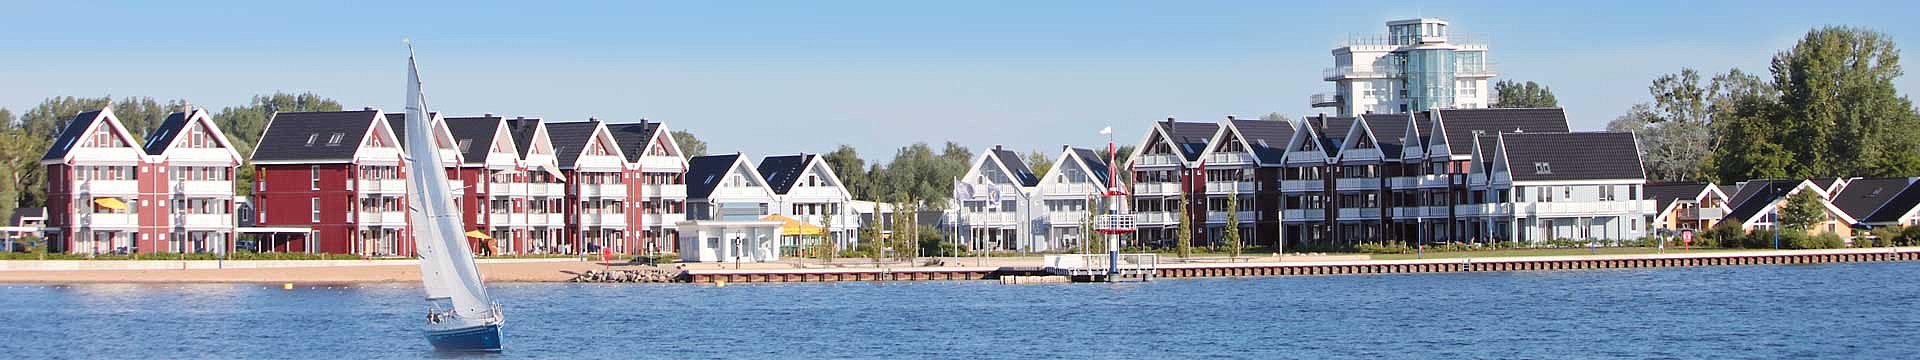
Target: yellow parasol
(478, 235)
(790, 226)
(111, 203)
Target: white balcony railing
(203, 220)
(1324, 100)
(1229, 158)
(110, 187)
(664, 191)
(1156, 218)
(1357, 184)
(603, 190)
(203, 187)
(109, 220)
(603, 219)
(1303, 214)
(1157, 159)
(1230, 187)
(382, 186)
(1359, 213)
(1221, 216)
(383, 218)
(1343, 72)
(1060, 218)
(1156, 188)
(1303, 185)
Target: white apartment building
(1420, 64)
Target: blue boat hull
(484, 338)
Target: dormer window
(1542, 168)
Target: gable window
(315, 203)
(314, 172)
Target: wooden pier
(1196, 270)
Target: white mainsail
(446, 264)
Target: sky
(781, 77)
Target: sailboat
(460, 315)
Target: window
(314, 173)
(315, 204)
(335, 139)
(1542, 168)
(311, 138)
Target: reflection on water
(1845, 310)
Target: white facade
(994, 209)
(1418, 65)
(1070, 194)
(817, 193)
(729, 241)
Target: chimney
(1229, 117)
(1169, 125)
(369, 108)
(996, 147)
(487, 115)
(590, 118)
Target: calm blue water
(1837, 311)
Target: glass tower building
(1418, 65)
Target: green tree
(1232, 235)
(1512, 94)
(690, 145)
(871, 241)
(1837, 95)
(37, 128)
(905, 230)
(847, 165)
(243, 125)
(826, 249)
(1183, 242)
(1803, 211)
(1038, 162)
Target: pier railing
(1131, 265)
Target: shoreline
(557, 270)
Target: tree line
(1827, 108)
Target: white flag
(1106, 130)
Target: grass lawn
(1541, 252)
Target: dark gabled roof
(1462, 124)
(26, 212)
(473, 136)
(1754, 196)
(1863, 198)
(1486, 143)
(1893, 209)
(169, 129)
(782, 171)
(1666, 193)
(1189, 138)
(523, 130)
(1572, 156)
(398, 122)
(1333, 131)
(71, 135)
(569, 138)
(1424, 121)
(1095, 162)
(634, 137)
(1266, 138)
(1018, 168)
(705, 172)
(287, 134)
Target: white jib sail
(446, 264)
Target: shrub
(1909, 236)
(1726, 233)
(1379, 248)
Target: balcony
(1062, 218)
(1712, 213)
(1477, 70)
(503, 219)
(1349, 72)
(393, 186)
(203, 187)
(668, 220)
(1323, 100)
(664, 191)
(603, 190)
(603, 219)
(1581, 208)
(111, 187)
(1246, 217)
(203, 220)
(1360, 214)
(1489, 209)
(1069, 190)
(1157, 160)
(1357, 184)
(1303, 215)
(1230, 187)
(109, 220)
(1156, 218)
(1433, 181)
(989, 218)
(1296, 186)
(1157, 188)
(395, 218)
(1230, 158)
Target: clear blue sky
(785, 76)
